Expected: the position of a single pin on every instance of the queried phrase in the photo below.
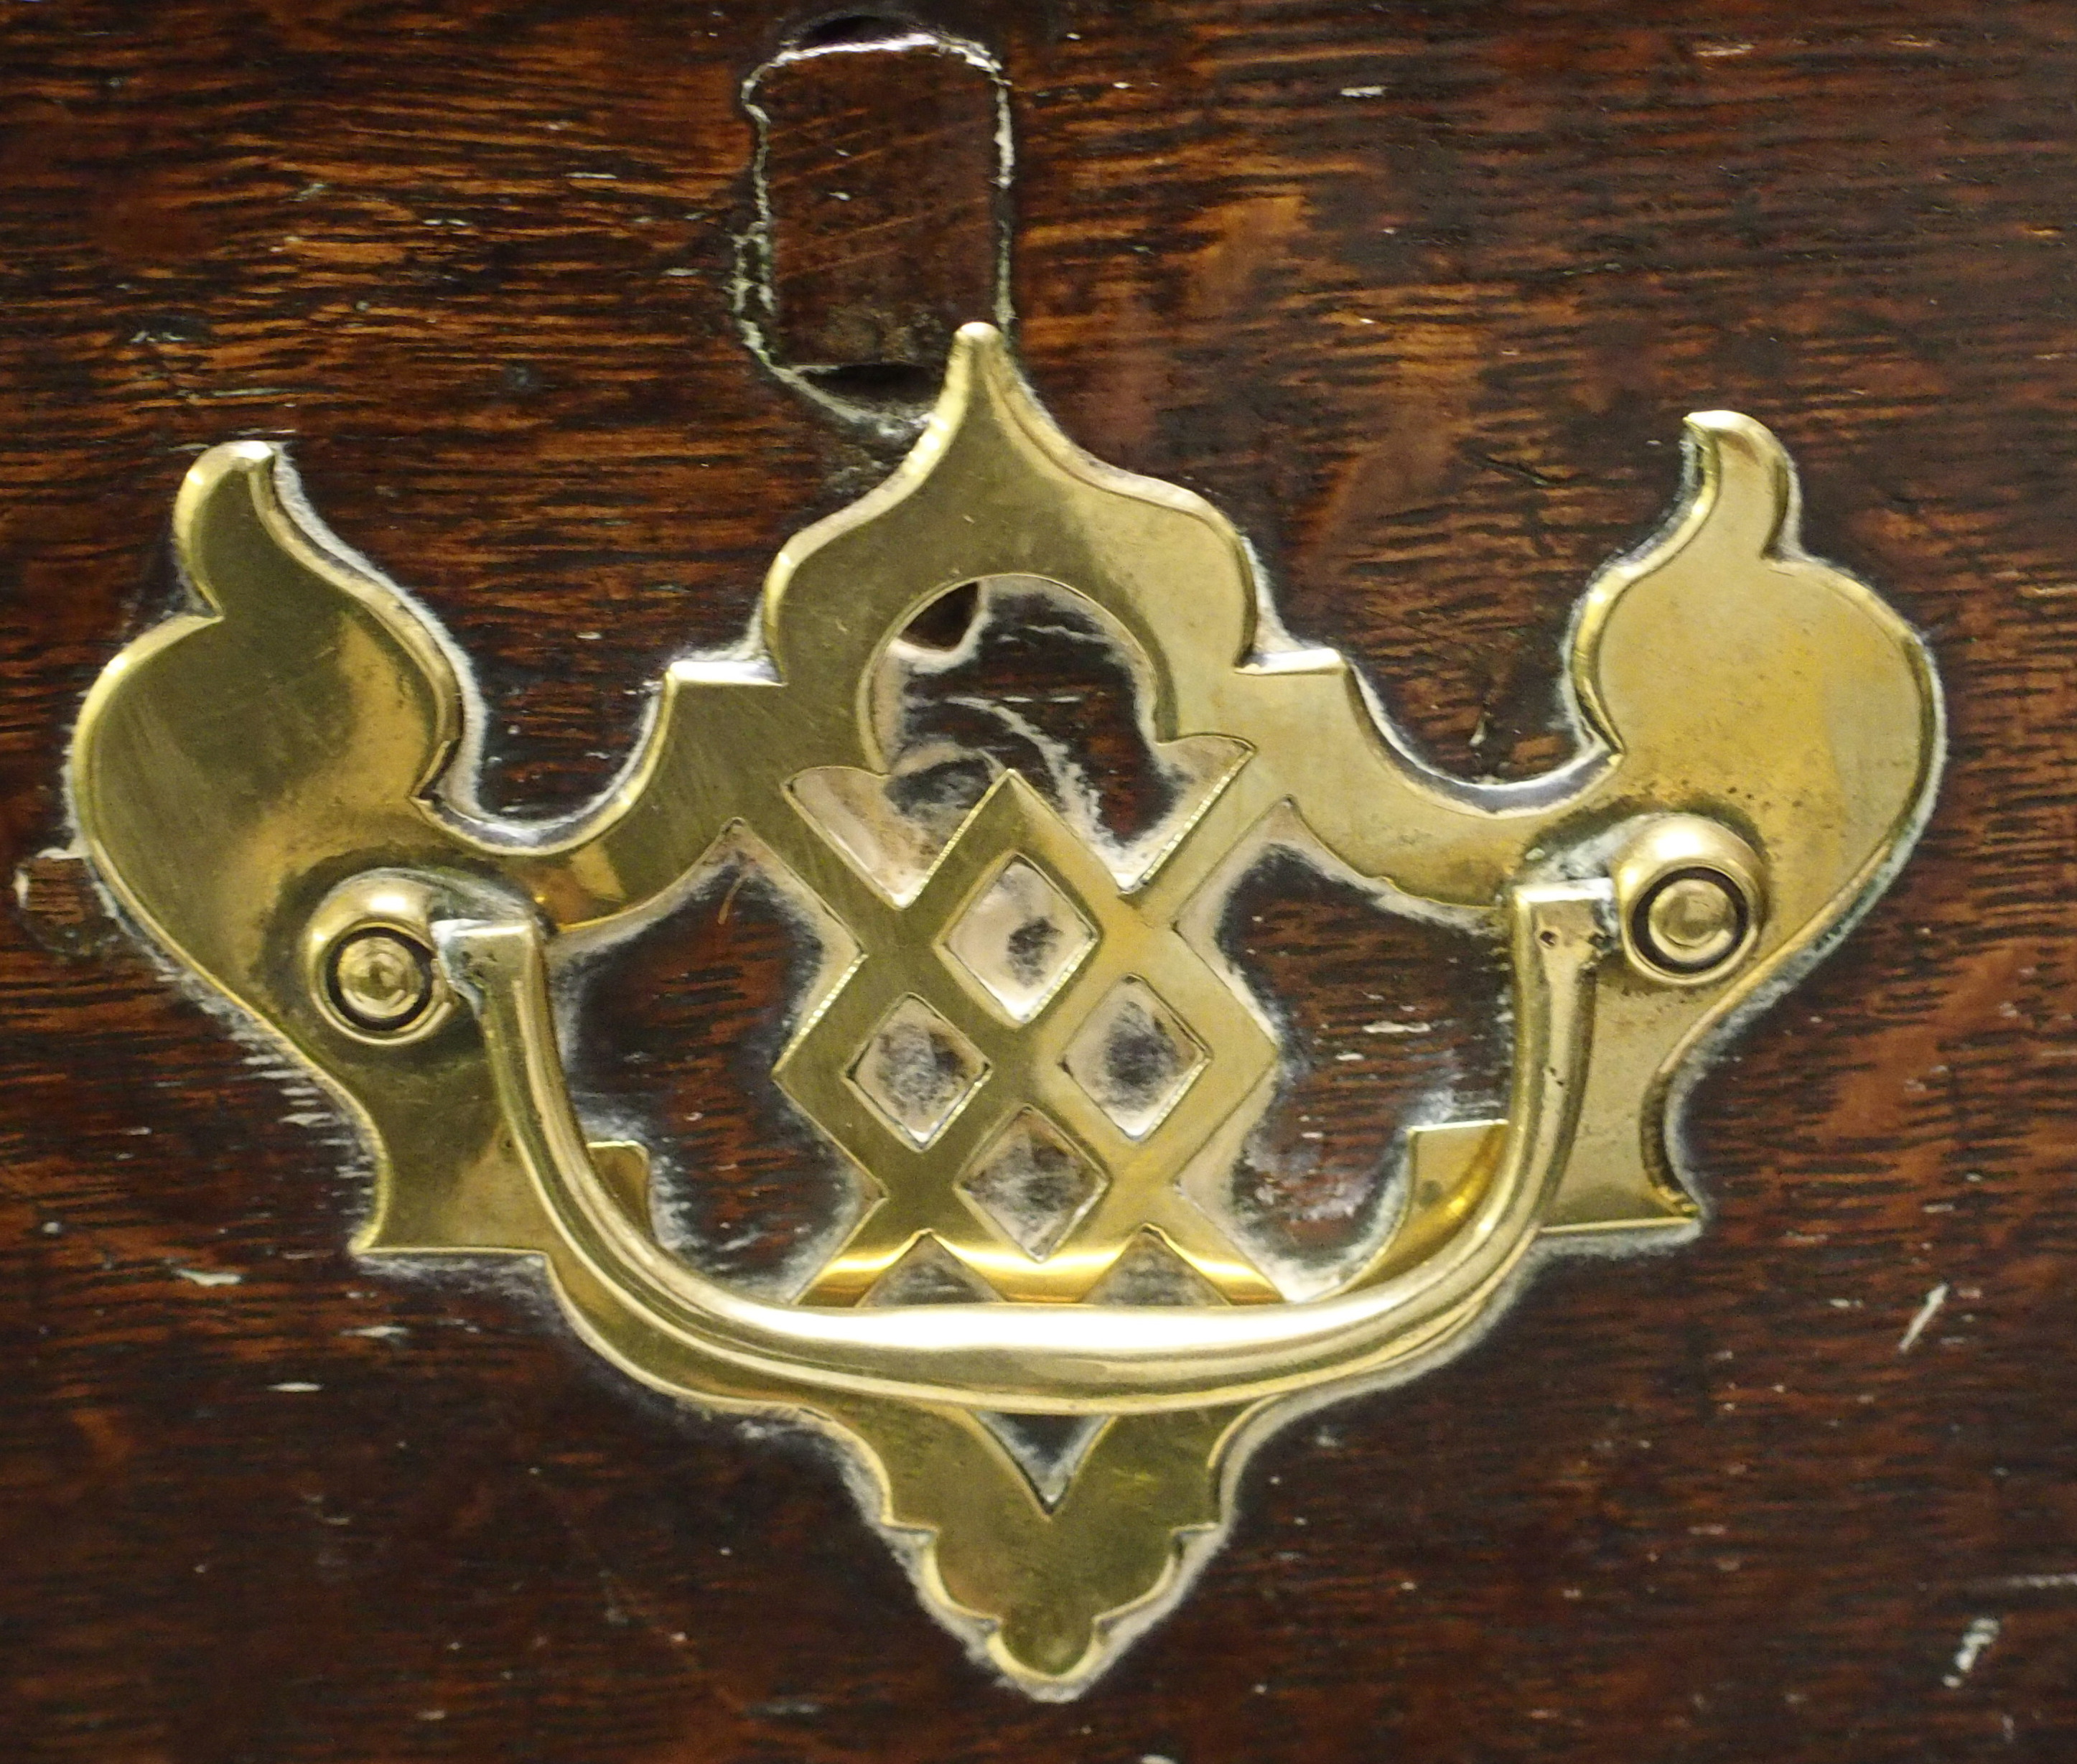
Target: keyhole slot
(881, 190)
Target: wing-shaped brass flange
(1034, 1052)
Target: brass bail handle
(1107, 1358)
(1681, 904)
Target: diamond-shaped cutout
(1033, 1184)
(1021, 937)
(917, 1070)
(929, 1273)
(1049, 1448)
(1149, 1272)
(1133, 1057)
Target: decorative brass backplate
(1028, 1042)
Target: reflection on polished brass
(1027, 1040)
(369, 962)
(1688, 896)
(1691, 922)
(380, 979)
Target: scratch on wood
(1975, 1640)
(1926, 1313)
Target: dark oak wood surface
(1418, 294)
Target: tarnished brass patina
(1030, 1044)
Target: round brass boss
(1691, 920)
(1692, 896)
(380, 979)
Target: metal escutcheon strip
(1025, 1040)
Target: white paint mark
(2038, 1583)
(1926, 1313)
(210, 1276)
(1398, 1029)
(381, 1332)
(1976, 1640)
(1362, 91)
(296, 1386)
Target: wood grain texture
(1418, 294)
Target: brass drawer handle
(268, 788)
(1479, 1199)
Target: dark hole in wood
(852, 28)
(880, 384)
(880, 169)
